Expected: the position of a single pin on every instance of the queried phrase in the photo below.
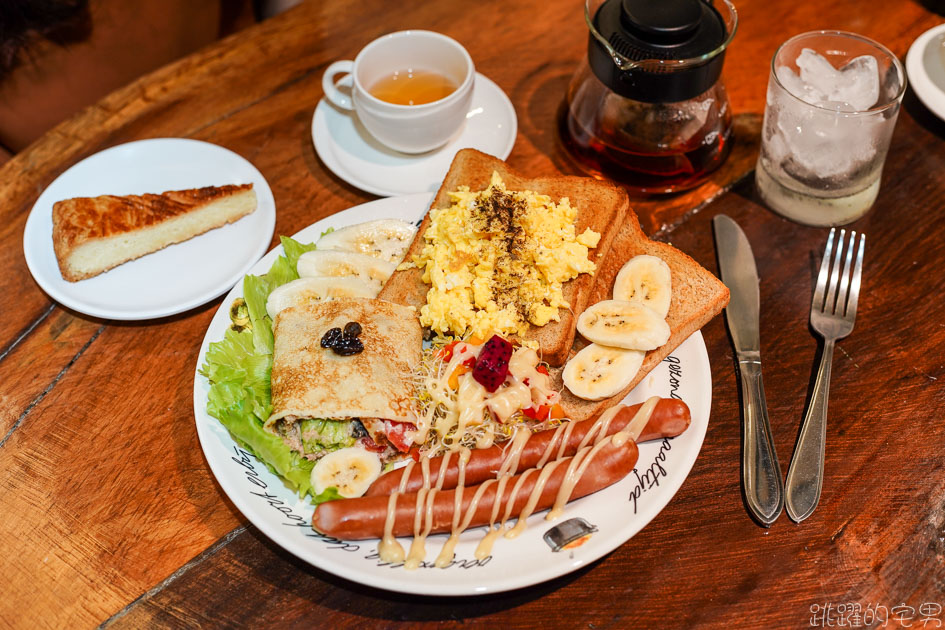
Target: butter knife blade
(761, 472)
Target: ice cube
(855, 87)
(860, 83)
(796, 86)
(815, 144)
(817, 72)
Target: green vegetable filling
(239, 366)
(320, 435)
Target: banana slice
(350, 470)
(599, 372)
(306, 290)
(645, 279)
(339, 264)
(629, 325)
(386, 239)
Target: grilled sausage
(364, 517)
(669, 418)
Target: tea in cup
(410, 89)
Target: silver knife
(761, 473)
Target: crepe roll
(320, 397)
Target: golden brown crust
(83, 219)
(697, 297)
(309, 381)
(601, 206)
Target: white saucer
(351, 153)
(925, 66)
(176, 278)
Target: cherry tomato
(397, 434)
(370, 445)
(446, 352)
(540, 412)
(544, 412)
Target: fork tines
(839, 298)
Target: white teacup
(406, 128)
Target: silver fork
(832, 314)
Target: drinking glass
(825, 139)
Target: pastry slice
(94, 234)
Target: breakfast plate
(601, 521)
(925, 65)
(164, 282)
(349, 151)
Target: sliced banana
(599, 372)
(645, 279)
(349, 470)
(386, 239)
(305, 290)
(628, 325)
(340, 264)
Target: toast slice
(601, 206)
(94, 234)
(697, 297)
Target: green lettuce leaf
(238, 368)
(330, 494)
(293, 250)
(256, 290)
(319, 434)
(268, 448)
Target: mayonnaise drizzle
(391, 551)
(532, 499)
(513, 452)
(487, 438)
(446, 554)
(572, 475)
(460, 415)
(417, 549)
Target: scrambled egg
(497, 259)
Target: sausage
(670, 418)
(364, 517)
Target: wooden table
(109, 513)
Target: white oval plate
(617, 512)
(176, 278)
(925, 65)
(351, 153)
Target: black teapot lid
(658, 30)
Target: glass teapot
(647, 107)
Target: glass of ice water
(833, 98)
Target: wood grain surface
(109, 513)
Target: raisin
(331, 337)
(352, 329)
(348, 346)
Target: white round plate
(351, 153)
(617, 513)
(925, 65)
(176, 278)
